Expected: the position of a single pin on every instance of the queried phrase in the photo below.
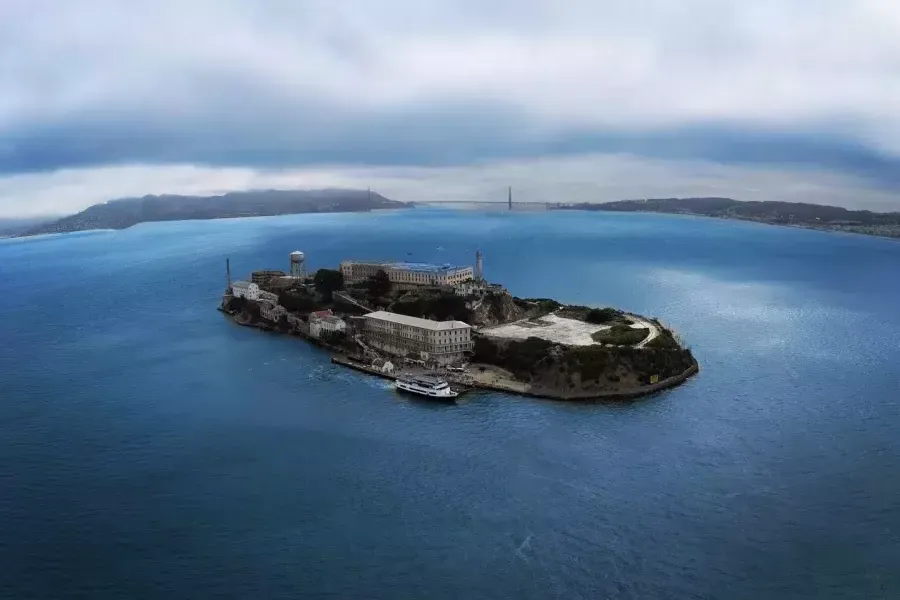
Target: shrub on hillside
(599, 316)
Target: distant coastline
(793, 214)
(126, 212)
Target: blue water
(152, 449)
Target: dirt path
(641, 323)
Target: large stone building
(407, 273)
(251, 291)
(442, 342)
(245, 289)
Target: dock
(464, 384)
(346, 361)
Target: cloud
(291, 83)
(583, 178)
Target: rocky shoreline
(599, 372)
(466, 384)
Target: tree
(237, 303)
(294, 301)
(328, 281)
(601, 315)
(379, 284)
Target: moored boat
(426, 385)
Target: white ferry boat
(425, 385)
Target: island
(399, 318)
(126, 212)
(810, 216)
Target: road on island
(641, 323)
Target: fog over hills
(125, 212)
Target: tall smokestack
(228, 272)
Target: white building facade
(245, 289)
(324, 323)
(272, 312)
(442, 342)
(407, 273)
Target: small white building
(324, 322)
(245, 289)
(272, 312)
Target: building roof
(241, 284)
(322, 314)
(424, 267)
(408, 266)
(417, 322)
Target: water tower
(298, 265)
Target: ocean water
(152, 449)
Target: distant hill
(814, 216)
(123, 213)
(15, 226)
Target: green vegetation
(252, 309)
(283, 324)
(440, 307)
(297, 301)
(664, 340)
(599, 316)
(596, 362)
(543, 305)
(621, 335)
(378, 286)
(579, 313)
(539, 361)
(336, 338)
(328, 281)
(518, 357)
(236, 303)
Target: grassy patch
(621, 335)
(542, 305)
(600, 316)
(664, 340)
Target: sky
(566, 100)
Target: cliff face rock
(491, 309)
(494, 309)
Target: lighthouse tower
(479, 266)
